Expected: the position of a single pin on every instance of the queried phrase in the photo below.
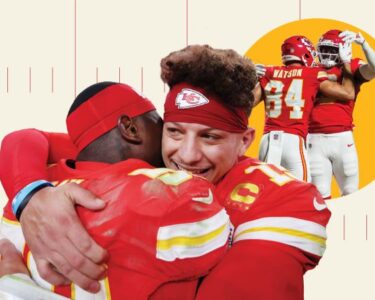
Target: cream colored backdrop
(43, 64)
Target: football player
(157, 225)
(279, 222)
(331, 145)
(289, 92)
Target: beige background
(38, 35)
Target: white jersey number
(293, 98)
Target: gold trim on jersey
(10, 222)
(305, 235)
(194, 239)
(189, 241)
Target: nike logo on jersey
(207, 200)
(349, 145)
(319, 206)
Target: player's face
(203, 150)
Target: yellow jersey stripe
(10, 222)
(287, 231)
(189, 241)
(107, 290)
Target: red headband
(190, 104)
(100, 113)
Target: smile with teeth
(199, 171)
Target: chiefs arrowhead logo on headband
(191, 104)
(188, 98)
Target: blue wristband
(23, 196)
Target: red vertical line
(52, 81)
(142, 80)
(29, 79)
(187, 22)
(366, 227)
(300, 9)
(7, 79)
(97, 75)
(75, 48)
(119, 75)
(343, 227)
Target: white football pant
(333, 154)
(286, 150)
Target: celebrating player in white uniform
(331, 145)
(289, 93)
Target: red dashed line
(75, 48)
(7, 79)
(29, 79)
(52, 80)
(187, 22)
(142, 80)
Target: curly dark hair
(221, 72)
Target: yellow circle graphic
(267, 50)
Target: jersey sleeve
(279, 234)
(295, 216)
(60, 147)
(321, 75)
(23, 159)
(25, 154)
(266, 203)
(194, 233)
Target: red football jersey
(158, 225)
(264, 202)
(336, 116)
(289, 95)
(279, 233)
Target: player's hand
(10, 259)
(345, 52)
(260, 70)
(350, 36)
(62, 249)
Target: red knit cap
(100, 113)
(189, 104)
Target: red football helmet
(328, 48)
(298, 48)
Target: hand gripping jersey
(335, 116)
(289, 95)
(279, 233)
(159, 226)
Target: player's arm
(367, 70)
(343, 92)
(23, 159)
(346, 90)
(57, 238)
(258, 94)
(258, 91)
(10, 259)
(15, 281)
